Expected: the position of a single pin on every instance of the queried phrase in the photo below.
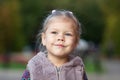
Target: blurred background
(99, 47)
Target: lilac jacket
(40, 68)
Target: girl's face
(60, 37)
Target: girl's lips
(60, 45)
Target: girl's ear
(43, 39)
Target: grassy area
(13, 65)
(93, 66)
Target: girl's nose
(60, 38)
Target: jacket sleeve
(85, 76)
(26, 75)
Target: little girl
(59, 38)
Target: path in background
(10, 74)
(112, 72)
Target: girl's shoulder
(36, 61)
(36, 58)
(76, 59)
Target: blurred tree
(10, 22)
(32, 12)
(111, 33)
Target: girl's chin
(60, 55)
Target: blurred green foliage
(11, 37)
(20, 21)
(111, 39)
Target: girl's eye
(54, 32)
(68, 34)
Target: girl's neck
(57, 61)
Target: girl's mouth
(60, 45)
